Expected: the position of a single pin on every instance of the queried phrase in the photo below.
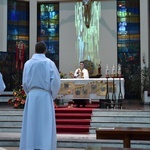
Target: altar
(93, 88)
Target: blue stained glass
(48, 29)
(128, 13)
(134, 10)
(23, 15)
(14, 15)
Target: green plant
(62, 75)
(145, 78)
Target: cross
(87, 12)
(87, 8)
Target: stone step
(121, 118)
(11, 120)
(96, 112)
(11, 117)
(122, 124)
(10, 128)
(10, 123)
(11, 112)
(98, 125)
(73, 141)
(116, 112)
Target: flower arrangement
(71, 74)
(62, 75)
(19, 98)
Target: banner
(20, 50)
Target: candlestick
(107, 71)
(119, 70)
(113, 70)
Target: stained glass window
(17, 31)
(48, 29)
(18, 25)
(128, 27)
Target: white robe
(78, 71)
(2, 84)
(41, 82)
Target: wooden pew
(123, 133)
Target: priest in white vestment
(2, 84)
(81, 72)
(41, 82)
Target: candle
(107, 70)
(113, 70)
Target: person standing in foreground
(2, 84)
(41, 82)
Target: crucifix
(87, 24)
(87, 8)
(87, 12)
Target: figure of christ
(87, 12)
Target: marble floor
(135, 105)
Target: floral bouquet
(19, 98)
(62, 75)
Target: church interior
(111, 37)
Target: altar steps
(11, 120)
(119, 118)
(73, 129)
(10, 127)
(13, 123)
(73, 122)
(73, 116)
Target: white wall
(108, 35)
(3, 27)
(67, 51)
(144, 27)
(33, 27)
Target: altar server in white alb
(41, 82)
(2, 84)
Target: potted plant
(145, 78)
(145, 82)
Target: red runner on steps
(73, 120)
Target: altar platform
(127, 105)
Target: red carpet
(74, 120)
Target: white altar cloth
(92, 88)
